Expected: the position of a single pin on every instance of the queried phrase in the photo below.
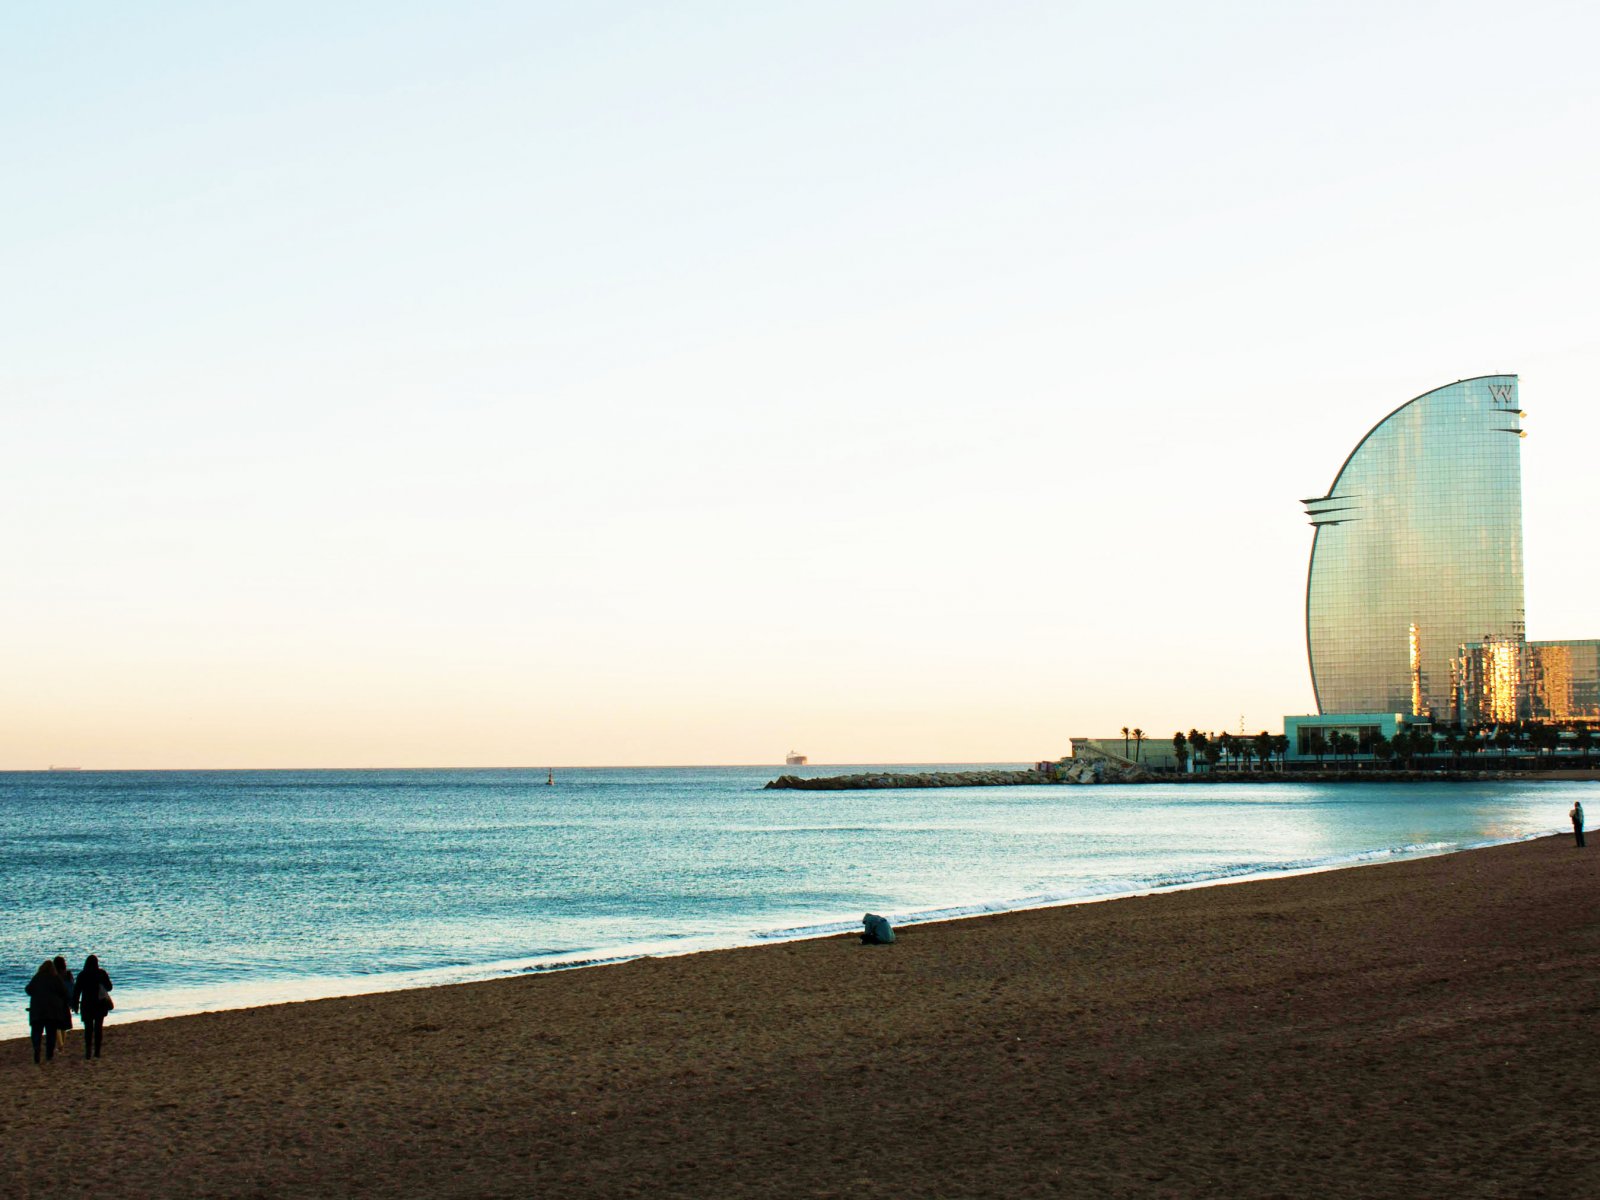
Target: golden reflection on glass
(1505, 679)
(1555, 678)
(1416, 672)
(1493, 681)
(1564, 680)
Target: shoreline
(1419, 1028)
(296, 990)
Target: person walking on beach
(65, 976)
(47, 1009)
(1577, 821)
(91, 996)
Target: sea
(205, 890)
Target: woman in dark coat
(91, 996)
(47, 1009)
(65, 976)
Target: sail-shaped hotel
(1414, 596)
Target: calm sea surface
(220, 889)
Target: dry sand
(1424, 1028)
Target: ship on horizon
(795, 760)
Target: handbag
(106, 1002)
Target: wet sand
(1417, 1029)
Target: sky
(519, 384)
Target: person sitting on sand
(47, 1009)
(877, 930)
(91, 996)
(1577, 821)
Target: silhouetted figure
(877, 930)
(1577, 821)
(91, 996)
(47, 1009)
(65, 975)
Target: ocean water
(205, 890)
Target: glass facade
(1536, 681)
(1491, 682)
(1418, 552)
(1564, 681)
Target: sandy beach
(1422, 1028)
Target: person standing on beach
(47, 1009)
(91, 996)
(1577, 821)
(65, 975)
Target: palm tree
(1584, 742)
(1264, 749)
(1138, 744)
(1198, 743)
(1124, 741)
(1538, 741)
(1280, 743)
(1225, 744)
(1546, 738)
(1502, 742)
(1401, 746)
(1180, 750)
(1382, 748)
(1211, 750)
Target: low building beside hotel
(1536, 681)
(1312, 738)
(1564, 681)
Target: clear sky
(526, 384)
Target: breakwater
(1099, 771)
(922, 779)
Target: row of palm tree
(1405, 749)
(1239, 749)
(1542, 739)
(1407, 746)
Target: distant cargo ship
(795, 760)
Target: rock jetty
(1100, 771)
(927, 779)
(1084, 772)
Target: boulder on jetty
(1084, 772)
